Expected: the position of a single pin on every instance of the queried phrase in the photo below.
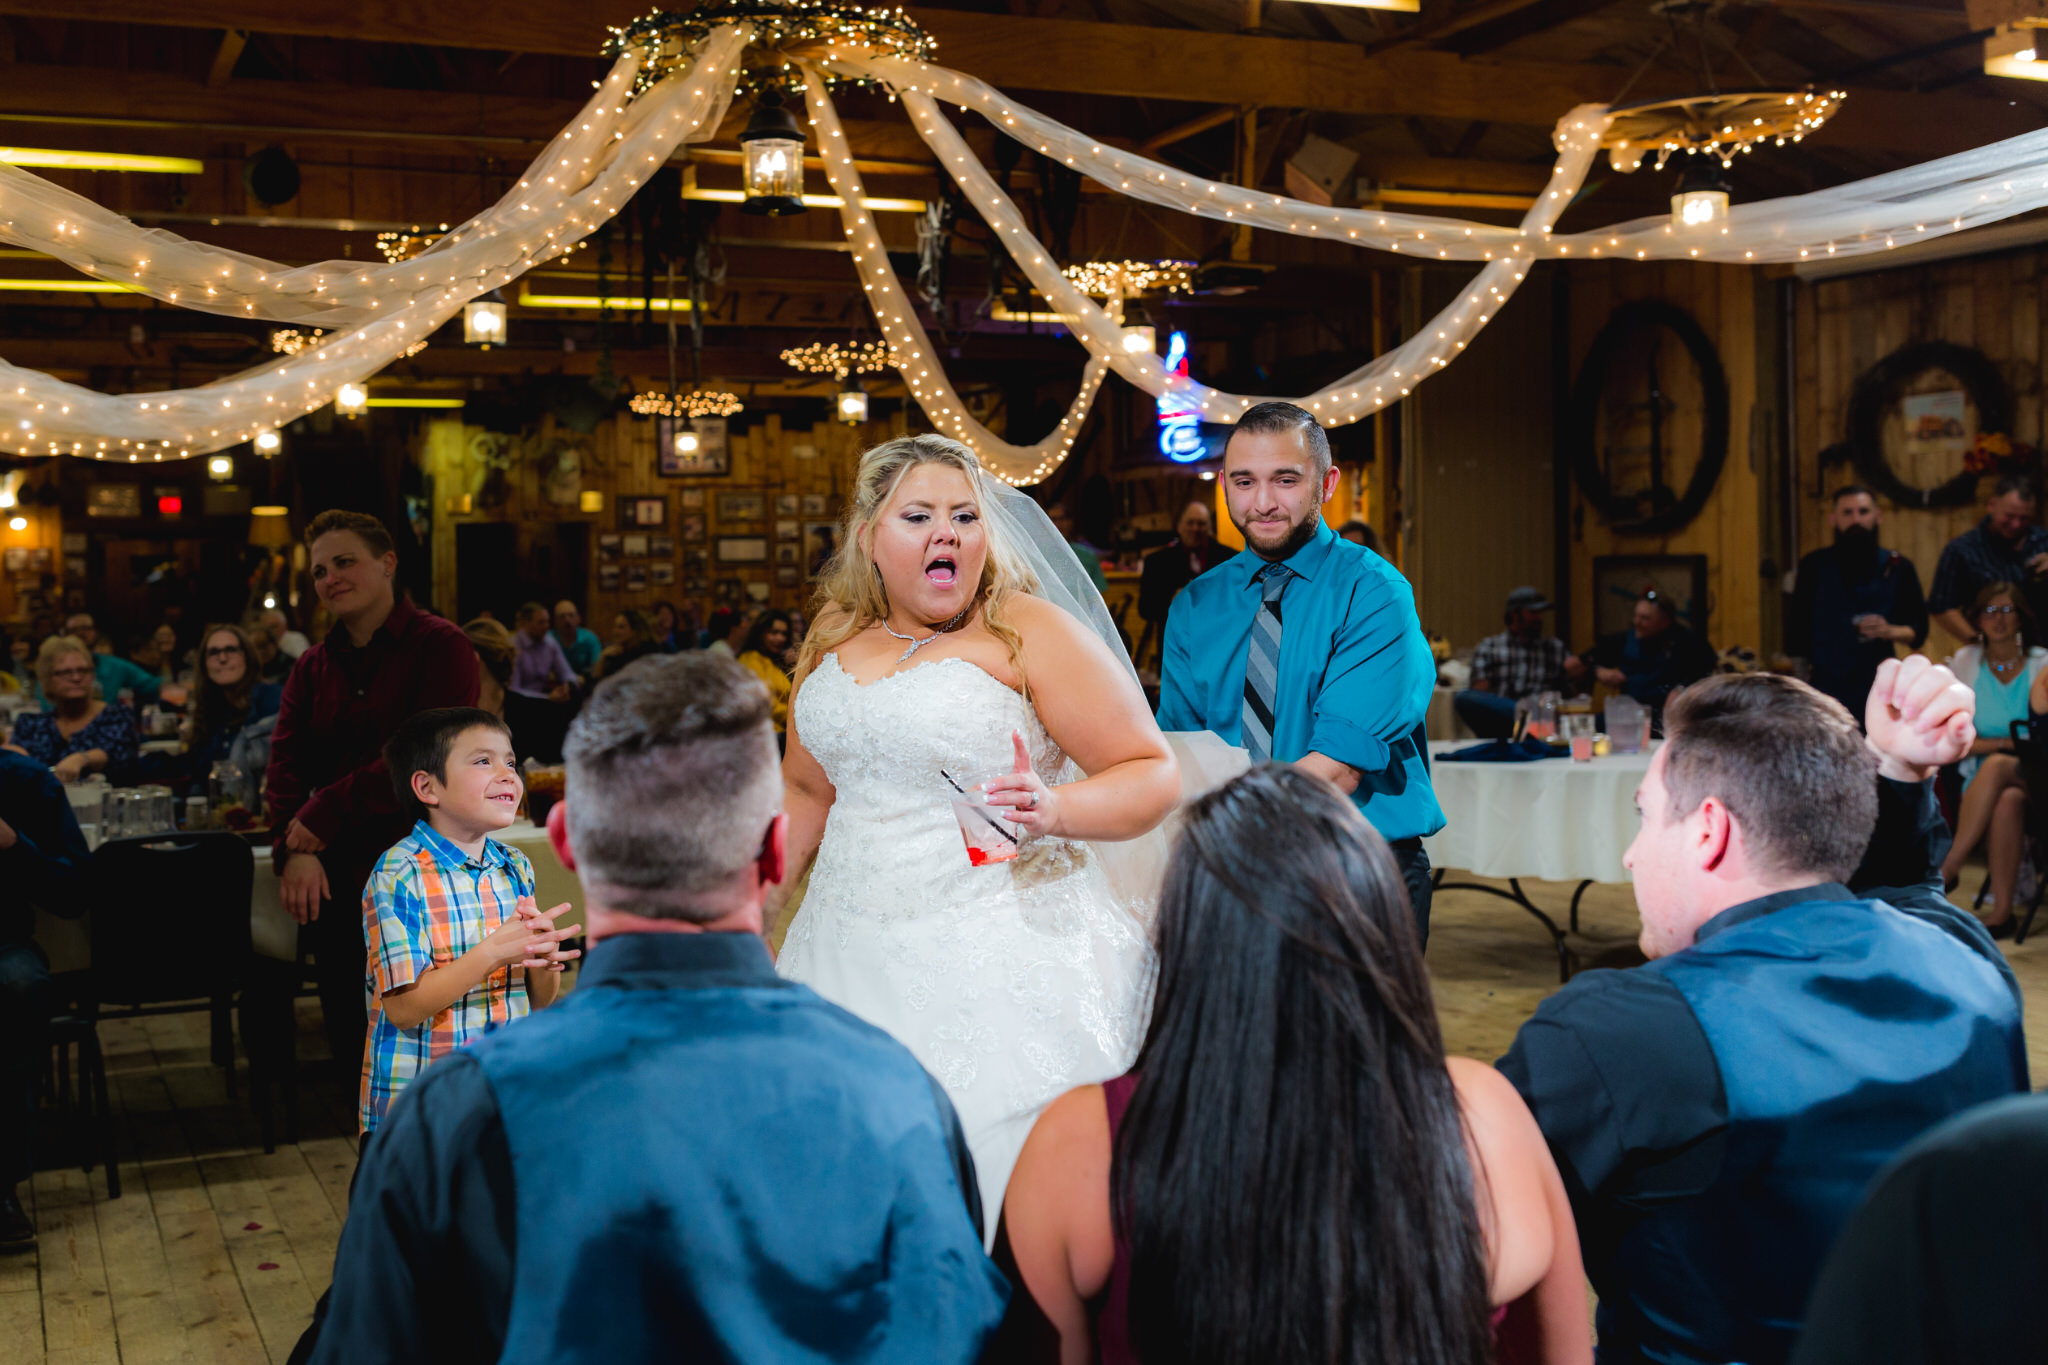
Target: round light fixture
(17, 523)
(268, 442)
(351, 399)
(1139, 340)
(220, 467)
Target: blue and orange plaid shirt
(426, 904)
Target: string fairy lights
(785, 31)
(840, 359)
(1132, 279)
(695, 403)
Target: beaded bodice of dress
(891, 846)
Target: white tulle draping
(897, 317)
(1383, 380)
(1947, 195)
(580, 182)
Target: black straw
(993, 823)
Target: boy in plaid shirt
(456, 945)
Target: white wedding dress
(1013, 982)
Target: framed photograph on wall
(788, 552)
(692, 499)
(636, 547)
(608, 577)
(636, 578)
(741, 507)
(694, 559)
(788, 530)
(661, 573)
(814, 504)
(691, 525)
(662, 547)
(610, 546)
(743, 549)
(786, 504)
(820, 543)
(710, 460)
(757, 594)
(642, 512)
(786, 576)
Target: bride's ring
(1034, 802)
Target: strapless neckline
(847, 673)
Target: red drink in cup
(989, 837)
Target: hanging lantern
(350, 400)
(268, 442)
(220, 468)
(483, 320)
(853, 402)
(1139, 340)
(774, 147)
(1701, 200)
(687, 440)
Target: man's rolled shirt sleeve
(1377, 684)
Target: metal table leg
(1577, 896)
(1521, 898)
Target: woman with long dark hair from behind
(1296, 1170)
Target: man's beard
(1296, 537)
(1857, 550)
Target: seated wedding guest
(632, 640)
(1360, 533)
(233, 713)
(1382, 1202)
(1940, 1262)
(158, 652)
(540, 669)
(669, 629)
(1519, 662)
(2009, 674)
(272, 665)
(331, 806)
(43, 861)
(112, 674)
(2008, 546)
(1192, 552)
(78, 734)
(592, 1185)
(727, 632)
(1717, 1112)
(761, 655)
(581, 645)
(495, 654)
(1650, 660)
(278, 627)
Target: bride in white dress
(938, 653)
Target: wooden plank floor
(216, 1252)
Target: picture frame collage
(732, 547)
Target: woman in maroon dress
(1293, 1170)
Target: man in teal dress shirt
(1308, 649)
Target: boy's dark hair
(421, 744)
(367, 529)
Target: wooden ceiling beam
(1064, 55)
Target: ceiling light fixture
(483, 321)
(774, 147)
(100, 161)
(591, 301)
(413, 402)
(351, 399)
(810, 201)
(268, 442)
(853, 402)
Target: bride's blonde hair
(851, 596)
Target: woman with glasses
(233, 712)
(78, 734)
(2002, 666)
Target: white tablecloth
(1551, 819)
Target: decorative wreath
(1625, 511)
(1877, 388)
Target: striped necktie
(1262, 664)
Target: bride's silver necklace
(915, 643)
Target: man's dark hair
(1267, 419)
(366, 527)
(673, 782)
(1788, 762)
(1852, 490)
(2021, 484)
(422, 743)
(527, 611)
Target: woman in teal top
(2002, 667)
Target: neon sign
(1180, 421)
